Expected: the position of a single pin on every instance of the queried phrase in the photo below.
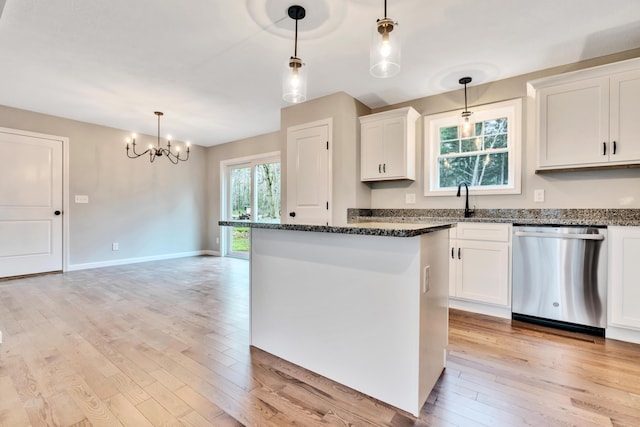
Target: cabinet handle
(614, 147)
(452, 255)
(459, 254)
(604, 148)
(384, 167)
(379, 168)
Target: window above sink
(486, 157)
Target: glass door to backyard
(253, 194)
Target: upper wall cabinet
(588, 118)
(388, 145)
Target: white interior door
(30, 205)
(309, 174)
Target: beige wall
(348, 191)
(595, 189)
(149, 209)
(164, 209)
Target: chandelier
(157, 151)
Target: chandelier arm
(135, 154)
(172, 157)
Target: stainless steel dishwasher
(560, 277)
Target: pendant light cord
(465, 97)
(295, 46)
(385, 8)
(158, 130)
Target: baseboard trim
(477, 307)
(622, 334)
(124, 261)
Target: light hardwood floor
(166, 343)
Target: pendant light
(294, 78)
(466, 114)
(385, 47)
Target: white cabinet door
(574, 123)
(371, 150)
(387, 145)
(625, 110)
(624, 277)
(394, 161)
(483, 271)
(479, 264)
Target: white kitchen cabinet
(587, 118)
(479, 268)
(388, 145)
(623, 309)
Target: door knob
(292, 214)
(56, 213)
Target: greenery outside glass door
(253, 194)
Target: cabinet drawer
(483, 231)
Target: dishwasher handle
(560, 236)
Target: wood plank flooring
(166, 344)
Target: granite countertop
(388, 229)
(590, 217)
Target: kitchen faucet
(467, 212)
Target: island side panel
(434, 312)
(344, 306)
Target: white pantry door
(309, 174)
(30, 204)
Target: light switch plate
(81, 198)
(410, 198)
(538, 195)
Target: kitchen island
(363, 305)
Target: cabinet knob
(292, 214)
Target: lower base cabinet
(623, 309)
(480, 268)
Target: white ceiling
(214, 66)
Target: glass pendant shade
(294, 81)
(385, 49)
(466, 124)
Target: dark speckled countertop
(388, 229)
(414, 222)
(592, 217)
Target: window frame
(225, 192)
(512, 109)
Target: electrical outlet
(538, 195)
(410, 198)
(115, 246)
